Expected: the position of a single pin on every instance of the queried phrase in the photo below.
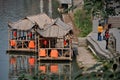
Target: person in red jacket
(107, 35)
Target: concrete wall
(115, 21)
(116, 34)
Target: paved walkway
(85, 59)
(98, 46)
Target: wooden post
(70, 49)
(35, 41)
(49, 43)
(41, 6)
(26, 35)
(38, 44)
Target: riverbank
(84, 58)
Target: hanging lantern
(15, 33)
(31, 44)
(42, 53)
(12, 43)
(45, 42)
(65, 43)
(30, 34)
(54, 53)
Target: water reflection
(54, 71)
(21, 64)
(46, 70)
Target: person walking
(100, 30)
(107, 35)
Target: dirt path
(69, 19)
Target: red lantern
(30, 34)
(45, 42)
(65, 43)
(15, 33)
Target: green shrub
(83, 22)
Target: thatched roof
(41, 20)
(23, 24)
(30, 21)
(48, 27)
(56, 29)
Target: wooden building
(22, 34)
(54, 42)
(51, 39)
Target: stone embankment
(85, 58)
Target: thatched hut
(22, 34)
(55, 41)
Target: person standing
(100, 30)
(107, 35)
